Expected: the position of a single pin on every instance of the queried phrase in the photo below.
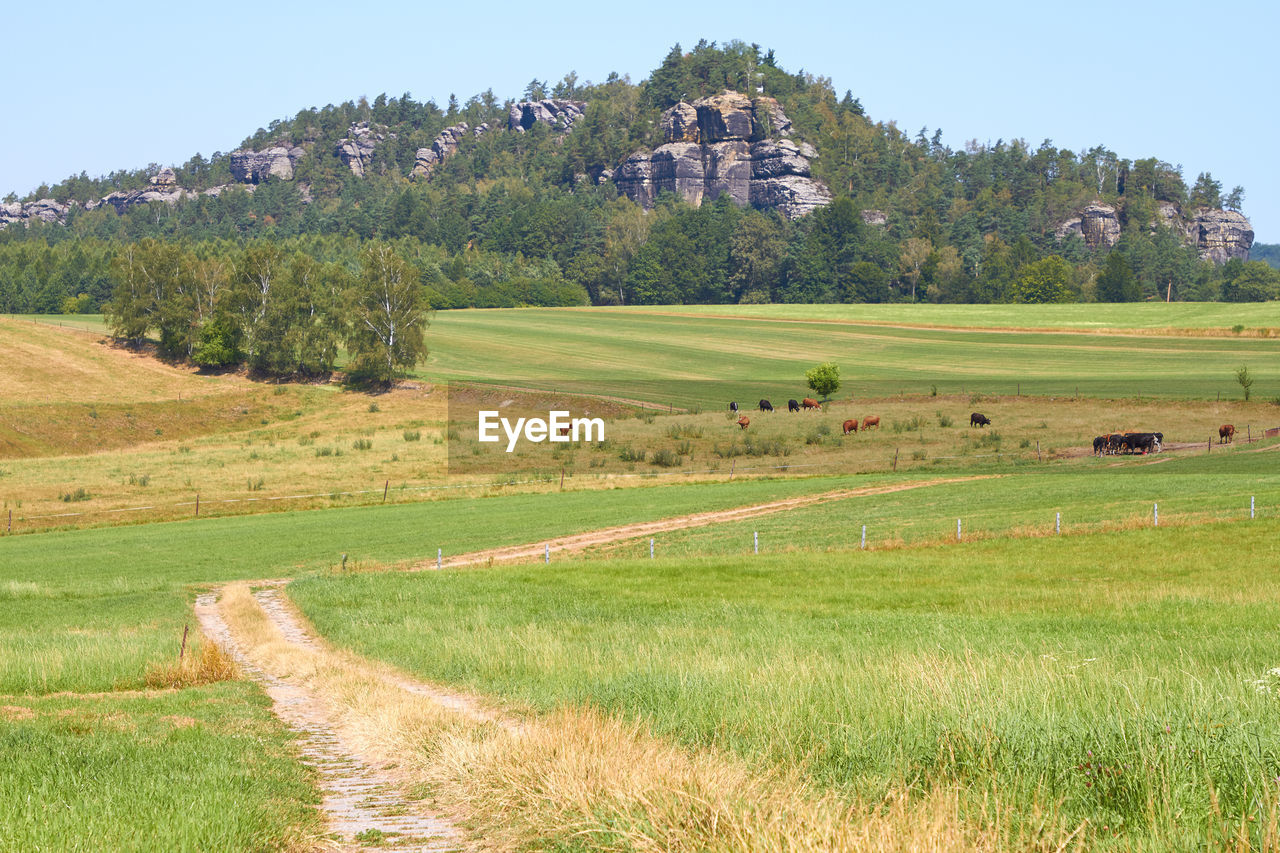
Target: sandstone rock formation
(1098, 224)
(254, 167)
(164, 178)
(1218, 235)
(1221, 235)
(443, 146)
(356, 149)
(45, 209)
(871, 216)
(560, 113)
(717, 146)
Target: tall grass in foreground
(200, 769)
(1121, 680)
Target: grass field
(690, 360)
(1123, 680)
(1118, 674)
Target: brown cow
(850, 426)
(810, 403)
(564, 430)
(870, 421)
(1226, 433)
(743, 421)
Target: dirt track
(582, 541)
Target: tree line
(281, 313)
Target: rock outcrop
(443, 147)
(871, 216)
(1218, 235)
(717, 146)
(254, 167)
(165, 178)
(45, 209)
(1098, 225)
(1221, 235)
(560, 113)
(356, 149)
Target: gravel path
(363, 805)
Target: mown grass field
(690, 360)
(1122, 682)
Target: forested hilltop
(721, 177)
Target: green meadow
(1126, 680)
(690, 360)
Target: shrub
(412, 434)
(944, 420)
(78, 495)
(255, 485)
(362, 444)
(684, 431)
(666, 458)
(627, 454)
(373, 407)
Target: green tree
(1117, 283)
(388, 313)
(824, 379)
(1245, 378)
(1253, 281)
(1045, 280)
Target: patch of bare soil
(364, 803)
(582, 541)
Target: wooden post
(1019, 389)
(1038, 450)
(10, 530)
(562, 478)
(895, 459)
(183, 649)
(385, 487)
(1248, 434)
(733, 463)
(197, 504)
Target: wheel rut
(364, 805)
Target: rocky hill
(1218, 235)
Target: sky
(98, 86)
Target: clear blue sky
(103, 86)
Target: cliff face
(442, 147)
(1218, 235)
(254, 167)
(560, 113)
(357, 148)
(720, 145)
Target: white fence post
(651, 549)
(1155, 514)
(439, 557)
(756, 537)
(547, 551)
(864, 537)
(957, 530)
(1057, 522)
(1251, 506)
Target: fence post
(547, 552)
(1155, 514)
(10, 530)
(651, 548)
(756, 539)
(733, 463)
(197, 504)
(439, 557)
(1251, 506)
(895, 459)
(1057, 522)
(385, 487)
(864, 537)
(957, 530)
(1038, 450)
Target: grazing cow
(1226, 432)
(733, 407)
(979, 419)
(850, 425)
(793, 406)
(810, 403)
(870, 421)
(766, 406)
(1099, 444)
(564, 430)
(744, 421)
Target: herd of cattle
(1127, 442)
(851, 425)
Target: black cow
(733, 407)
(766, 406)
(793, 406)
(979, 419)
(1099, 445)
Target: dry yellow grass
(579, 776)
(204, 665)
